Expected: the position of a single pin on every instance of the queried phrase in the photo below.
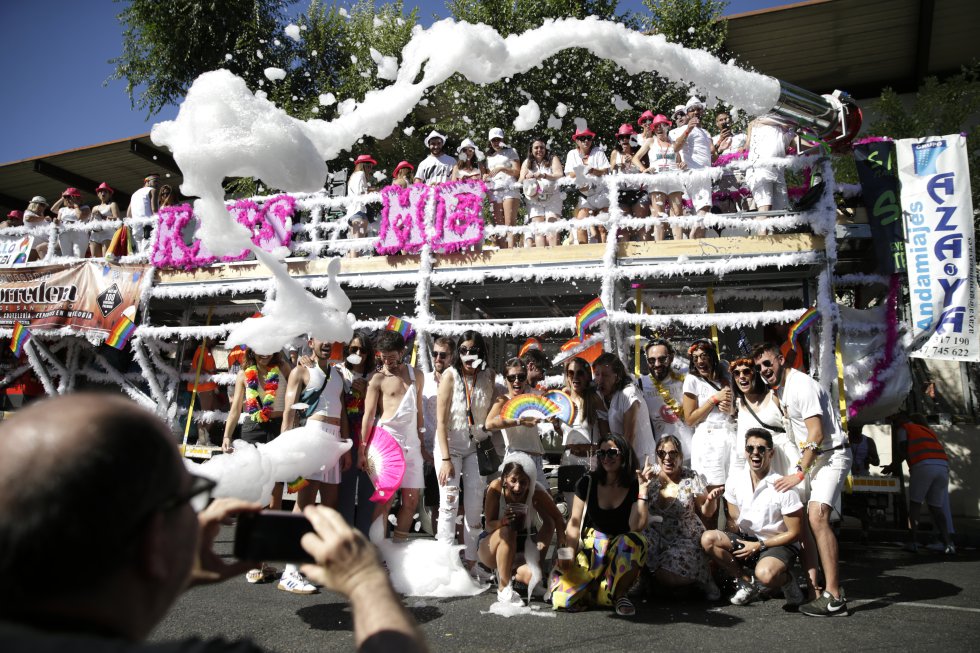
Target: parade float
(264, 271)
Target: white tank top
(330, 403)
(140, 203)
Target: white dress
(714, 436)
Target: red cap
(583, 132)
(16, 215)
(626, 129)
(104, 186)
(646, 115)
(661, 119)
(72, 192)
(365, 158)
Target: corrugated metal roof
(859, 46)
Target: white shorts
(331, 475)
(768, 191)
(699, 190)
(711, 451)
(498, 195)
(667, 183)
(549, 208)
(595, 202)
(929, 483)
(828, 476)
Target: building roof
(858, 46)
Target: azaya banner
(89, 297)
(939, 239)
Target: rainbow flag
(589, 315)
(589, 354)
(801, 325)
(403, 327)
(295, 486)
(529, 344)
(19, 338)
(120, 333)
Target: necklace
(669, 401)
(259, 405)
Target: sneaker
(295, 583)
(480, 574)
(746, 593)
(508, 596)
(950, 550)
(261, 575)
(792, 592)
(826, 605)
(711, 590)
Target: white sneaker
(950, 550)
(747, 592)
(295, 583)
(711, 590)
(792, 592)
(508, 596)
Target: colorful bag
(121, 244)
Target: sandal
(625, 607)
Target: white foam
(508, 610)
(274, 74)
(326, 99)
(292, 31)
(527, 116)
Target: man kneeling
(769, 526)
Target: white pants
(73, 243)
(473, 487)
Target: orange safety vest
(923, 444)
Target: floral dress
(675, 542)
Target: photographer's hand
(209, 566)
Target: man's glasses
(763, 364)
(198, 495)
(761, 449)
(608, 454)
(658, 359)
(466, 351)
(516, 377)
(663, 455)
(743, 371)
(440, 354)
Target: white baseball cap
(496, 132)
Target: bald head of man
(94, 521)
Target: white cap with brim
(496, 132)
(37, 199)
(467, 142)
(433, 134)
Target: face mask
(354, 359)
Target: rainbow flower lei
(259, 407)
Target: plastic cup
(565, 555)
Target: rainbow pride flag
(589, 315)
(801, 325)
(120, 333)
(403, 327)
(295, 486)
(529, 344)
(19, 338)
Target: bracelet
(812, 446)
(638, 499)
(446, 460)
(714, 400)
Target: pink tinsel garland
(871, 139)
(466, 215)
(891, 340)
(400, 226)
(725, 159)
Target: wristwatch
(762, 545)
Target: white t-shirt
(597, 159)
(622, 401)
(357, 184)
(504, 157)
(768, 141)
(665, 422)
(697, 148)
(139, 203)
(802, 397)
(430, 392)
(760, 512)
(695, 385)
(66, 214)
(435, 170)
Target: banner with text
(89, 297)
(938, 214)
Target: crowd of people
(69, 215)
(711, 477)
(659, 145)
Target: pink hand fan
(385, 464)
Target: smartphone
(271, 535)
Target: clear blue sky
(54, 59)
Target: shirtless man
(400, 397)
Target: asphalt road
(898, 600)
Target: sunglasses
(645, 122)
(440, 354)
(584, 139)
(743, 371)
(576, 373)
(662, 455)
(658, 359)
(356, 350)
(516, 377)
(763, 364)
(608, 454)
(749, 449)
(623, 138)
(466, 351)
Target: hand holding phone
(272, 535)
